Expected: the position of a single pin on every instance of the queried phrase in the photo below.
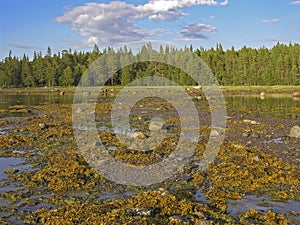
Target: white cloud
(113, 23)
(280, 39)
(195, 31)
(295, 3)
(271, 21)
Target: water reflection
(7, 100)
(278, 105)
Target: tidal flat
(255, 179)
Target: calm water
(280, 105)
(7, 100)
(277, 105)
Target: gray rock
(97, 144)
(295, 132)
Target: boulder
(296, 94)
(295, 132)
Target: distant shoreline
(225, 89)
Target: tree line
(279, 65)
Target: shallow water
(275, 105)
(27, 99)
(11, 163)
(263, 204)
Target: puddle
(11, 163)
(275, 140)
(32, 208)
(2, 133)
(262, 204)
(200, 197)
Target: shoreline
(226, 89)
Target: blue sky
(33, 25)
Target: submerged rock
(295, 132)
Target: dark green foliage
(247, 66)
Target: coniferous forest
(279, 65)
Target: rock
(254, 135)
(157, 124)
(42, 125)
(179, 219)
(251, 122)
(162, 191)
(245, 134)
(262, 94)
(256, 158)
(295, 132)
(97, 144)
(198, 87)
(296, 94)
(200, 215)
(139, 135)
(141, 211)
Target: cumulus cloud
(195, 31)
(271, 21)
(114, 23)
(295, 3)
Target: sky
(33, 25)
